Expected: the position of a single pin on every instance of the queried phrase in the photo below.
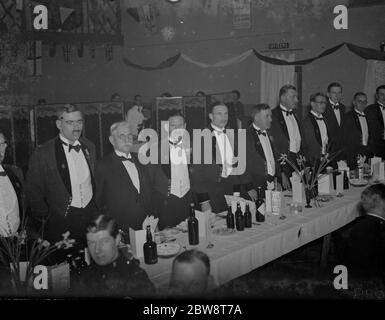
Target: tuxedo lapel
(316, 129)
(62, 165)
(282, 122)
(257, 142)
(379, 115)
(119, 164)
(357, 123)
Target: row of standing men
(65, 186)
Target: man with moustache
(316, 133)
(356, 131)
(285, 127)
(334, 116)
(262, 164)
(213, 180)
(171, 178)
(123, 188)
(11, 193)
(375, 115)
(59, 182)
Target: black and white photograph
(185, 150)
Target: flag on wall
(241, 14)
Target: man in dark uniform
(112, 272)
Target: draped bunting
(365, 53)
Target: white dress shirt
(180, 181)
(226, 151)
(323, 130)
(267, 150)
(364, 127)
(337, 112)
(293, 130)
(383, 115)
(80, 175)
(9, 207)
(131, 169)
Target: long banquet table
(235, 255)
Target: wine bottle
(259, 206)
(149, 249)
(346, 181)
(239, 220)
(230, 218)
(193, 227)
(247, 217)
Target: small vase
(308, 195)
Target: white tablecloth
(242, 252)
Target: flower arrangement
(309, 174)
(18, 247)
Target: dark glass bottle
(230, 218)
(247, 217)
(149, 249)
(193, 227)
(346, 181)
(239, 220)
(259, 203)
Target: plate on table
(168, 250)
(223, 231)
(358, 182)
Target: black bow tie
(382, 106)
(288, 112)
(3, 174)
(336, 107)
(121, 158)
(319, 119)
(260, 132)
(360, 115)
(175, 144)
(72, 147)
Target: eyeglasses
(124, 137)
(73, 122)
(3, 144)
(320, 102)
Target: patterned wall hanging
(34, 58)
(109, 51)
(67, 53)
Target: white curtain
(273, 77)
(374, 77)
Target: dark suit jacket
(352, 138)
(207, 181)
(376, 129)
(256, 167)
(117, 196)
(280, 133)
(48, 185)
(335, 130)
(15, 175)
(312, 144)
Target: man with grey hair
(59, 182)
(123, 188)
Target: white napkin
(150, 221)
